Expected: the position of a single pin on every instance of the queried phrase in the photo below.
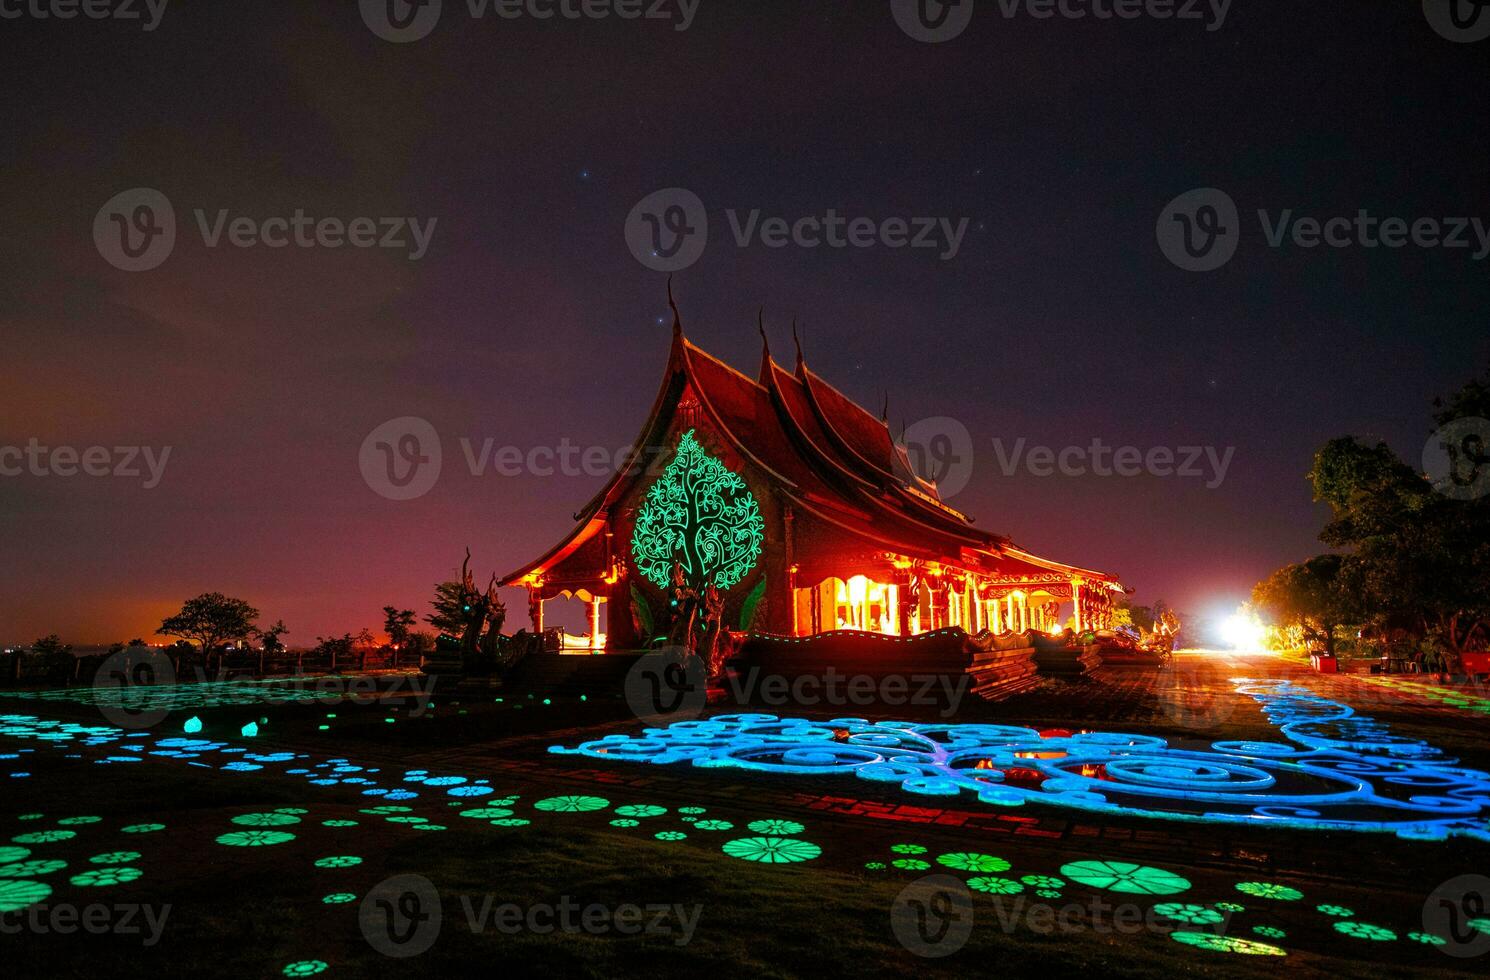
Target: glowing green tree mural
(700, 514)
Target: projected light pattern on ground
(1338, 770)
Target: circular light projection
(572, 804)
(305, 968)
(670, 835)
(16, 895)
(1231, 907)
(1048, 892)
(100, 877)
(1269, 932)
(1364, 930)
(265, 820)
(116, 857)
(772, 850)
(510, 822)
(1195, 915)
(255, 838)
(338, 898)
(1043, 881)
(910, 864)
(339, 861)
(78, 821)
(338, 823)
(644, 810)
(1427, 938)
(8, 854)
(714, 825)
(1120, 876)
(968, 861)
(907, 848)
(995, 886)
(874, 865)
(1338, 911)
(293, 811)
(1266, 889)
(779, 827)
(692, 811)
(1225, 944)
(143, 828)
(45, 837)
(625, 822)
(486, 813)
(31, 869)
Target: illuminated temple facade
(804, 513)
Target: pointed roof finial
(760, 323)
(677, 319)
(801, 359)
(885, 412)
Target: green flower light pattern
(1479, 925)
(1364, 930)
(1269, 932)
(339, 861)
(78, 821)
(99, 877)
(910, 864)
(486, 813)
(255, 838)
(116, 857)
(967, 861)
(31, 869)
(143, 828)
(700, 514)
(783, 828)
(1043, 881)
(641, 810)
(1427, 938)
(907, 848)
(1266, 889)
(995, 886)
(692, 811)
(1048, 892)
(1120, 876)
(1338, 911)
(305, 968)
(874, 865)
(8, 854)
(624, 822)
(45, 837)
(572, 804)
(338, 898)
(16, 895)
(1195, 915)
(294, 811)
(265, 820)
(510, 822)
(772, 850)
(670, 835)
(338, 823)
(714, 825)
(1231, 907)
(1225, 944)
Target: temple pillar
(595, 623)
(535, 609)
(996, 621)
(1077, 620)
(903, 607)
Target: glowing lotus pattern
(1336, 771)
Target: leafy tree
(271, 637)
(212, 619)
(451, 608)
(51, 648)
(398, 624)
(1311, 597)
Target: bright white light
(1243, 632)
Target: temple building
(802, 511)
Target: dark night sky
(529, 321)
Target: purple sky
(529, 321)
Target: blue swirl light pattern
(1337, 771)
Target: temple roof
(826, 455)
